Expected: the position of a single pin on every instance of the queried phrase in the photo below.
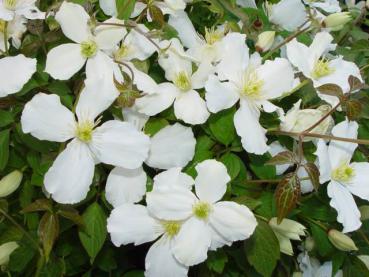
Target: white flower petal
(297, 54)
(343, 202)
(120, 144)
(143, 81)
(125, 186)
(160, 261)
(5, 14)
(340, 151)
(282, 16)
(73, 20)
(155, 103)
(192, 242)
(172, 146)
(108, 36)
(170, 203)
(47, 119)
(320, 45)
(211, 181)
(201, 75)
(220, 96)
(285, 244)
(15, 72)
(277, 76)
(246, 119)
(64, 61)
(232, 221)
(131, 223)
(140, 47)
(134, 117)
(109, 7)
(69, 178)
(102, 66)
(325, 167)
(172, 178)
(191, 108)
(97, 95)
(359, 184)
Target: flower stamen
(88, 48)
(171, 227)
(321, 69)
(201, 210)
(182, 81)
(84, 131)
(343, 173)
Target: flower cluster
(152, 91)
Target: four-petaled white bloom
(114, 142)
(15, 73)
(65, 60)
(345, 178)
(207, 222)
(251, 82)
(314, 63)
(9, 9)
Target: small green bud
(341, 241)
(10, 182)
(336, 21)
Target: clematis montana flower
(188, 104)
(15, 29)
(251, 82)
(130, 223)
(15, 72)
(314, 64)
(65, 60)
(129, 185)
(207, 222)
(345, 178)
(114, 142)
(12, 8)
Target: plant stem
(6, 46)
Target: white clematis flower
(171, 147)
(114, 142)
(65, 60)
(251, 82)
(345, 178)
(14, 31)
(208, 222)
(205, 49)
(312, 62)
(280, 14)
(15, 73)
(188, 104)
(9, 9)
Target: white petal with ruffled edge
(172, 178)
(161, 262)
(172, 146)
(192, 242)
(15, 73)
(170, 203)
(232, 221)
(120, 144)
(131, 223)
(64, 61)
(69, 178)
(211, 181)
(246, 119)
(191, 108)
(47, 119)
(343, 202)
(125, 186)
(73, 20)
(220, 96)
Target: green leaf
(262, 170)
(4, 148)
(287, 194)
(6, 118)
(233, 164)
(21, 257)
(285, 157)
(331, 89)
(222, 127)
(48, 231)
(322, 243)
(38, 205)
(262, 249)
(216, 261)
(93, 237)
(154, 125)
(71, 214)
(354, 267)
(313, 173)
(124, 8)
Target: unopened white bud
(336, 21)
(10, 182)
(265, 41)
(288, 228)
(341, 241)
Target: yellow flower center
(251, 84)
(171, 227)
(321, 69)
(212, 35)
(84, 131)
(201, 210)
(182, 81)
(10, 4)
(2, 26)
(343, 173)
(88, 48)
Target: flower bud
(336, 21)
(288, 228)
(265, 41)
(341, 241)
(309, 244)
(364, 211)
(5, 250)
(10, 182)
